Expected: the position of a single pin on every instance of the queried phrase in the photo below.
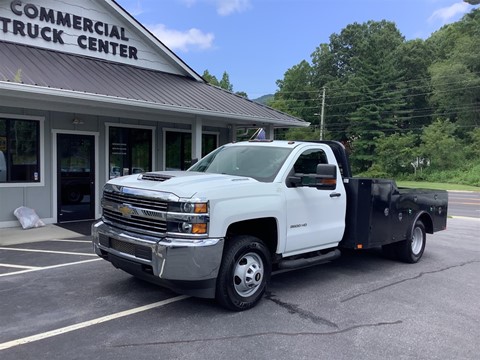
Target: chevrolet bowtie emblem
(126, 210)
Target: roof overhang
(75, 101)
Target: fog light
(186, 228)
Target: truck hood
(184, 184)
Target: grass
(437, 186)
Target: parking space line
(19, 266)
(66, 329)
(49, 267)
(72, 241)
(465, 217)
(47, 251)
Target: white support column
(270, 132)
(197, 139)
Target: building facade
(87, 93)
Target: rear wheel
(411, 250)
(244, 273)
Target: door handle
(332, 195)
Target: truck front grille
(151, 225)
(143, 202)
(135, 213)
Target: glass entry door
(75, 177)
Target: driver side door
(315, 217)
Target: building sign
(33, 21)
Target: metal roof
(48, 69)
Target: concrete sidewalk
(17, 235)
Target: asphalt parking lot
(58, 301)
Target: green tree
(413, 59)
(296, 94)
(396, 153)
(383, 92)
(440, 145)
(456, 93)
(366, 54)
(242, 94)
(473, 144)
(302, 134)
(225, 82)
(211, 79)
(455, 74)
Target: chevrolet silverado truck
(219, 229)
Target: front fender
(255, 205)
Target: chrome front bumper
(181, 265)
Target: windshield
(259, 162)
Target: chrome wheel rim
(248, 274)
(417, 241)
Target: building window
(19, 151)
(178, 155)
(209, 143)
(130, 151)
(178, 147)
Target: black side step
(303, 262)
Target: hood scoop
(156, 177)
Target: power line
(424, 79)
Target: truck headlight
(188, 207)
(187, 218)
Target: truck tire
(411, 249)
(244, 273)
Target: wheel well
(427, 221)
(265, 229)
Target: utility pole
(322, 114)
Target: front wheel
(244, 273)
(411, 250)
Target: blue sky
(256, 41)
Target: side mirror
(325, 178)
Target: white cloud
(224, 7)
(227, 7)
(447, 14)
(136, 9)
(183, 40)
